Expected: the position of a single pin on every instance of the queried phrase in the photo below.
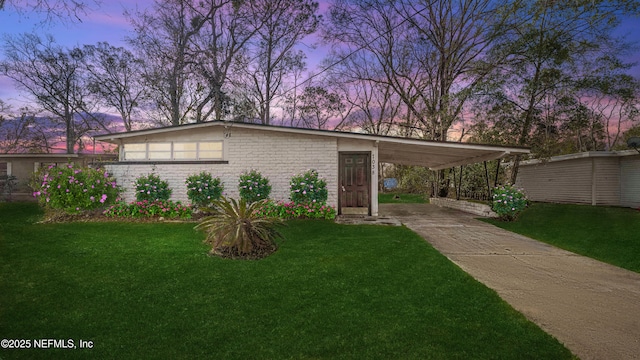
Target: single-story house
(347, 161)
(597, 178)
(22, 167)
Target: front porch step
(367, 220)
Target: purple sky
(109, 24)
(105, 24)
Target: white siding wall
(630, 181)
(607, 177)
(277, 156)
(595, 180)
(562, 181)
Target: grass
(608, 234)
(402, 198)
(330, 292)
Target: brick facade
(278, 156)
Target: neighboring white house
(347, 161)
(596, 178)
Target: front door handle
(343, 189)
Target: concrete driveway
(591, 307)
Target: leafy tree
(612, 95)
(542, 52)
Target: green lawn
(149, 291)
(401, 198)
(607, 234)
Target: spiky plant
(235, 229)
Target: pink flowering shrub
(508, 202)
(203, 189)
(307, 188)
(74, 189)
(151, 188)
(253, 186)
(149, 209)
(291, 210)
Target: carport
(437, 155)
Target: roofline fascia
(346, 135)
(582, 155)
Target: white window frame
(8, 167)
(172, 157)
(199, 151)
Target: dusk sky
(108, 24)
(104, 24)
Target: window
(185, 151)
(203, 150)
(4, 169)
(135, 151)
(159, 151)
(210, 150)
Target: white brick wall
(278, 156)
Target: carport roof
(435, 155)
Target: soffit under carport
(440, 155)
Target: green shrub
(74, 189)
(236, 229)
(149, 209)
(202, 189)
(508, 202)
(152, 188)
(292, 210)
(253, 186)
(307, 188)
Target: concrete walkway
(591, 307)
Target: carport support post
(455, 181)
(486, 176)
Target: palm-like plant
(235, 229)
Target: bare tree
(452, 37)
(272, 55)
(431, 53)
(217, 50)
(53, 9)
(375, 107)
(163, 37)
(189, 48)
(317, 107)
(114, 80)
(52, 76)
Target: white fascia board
(473, 160)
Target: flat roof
(582, 155)
(435, 155)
